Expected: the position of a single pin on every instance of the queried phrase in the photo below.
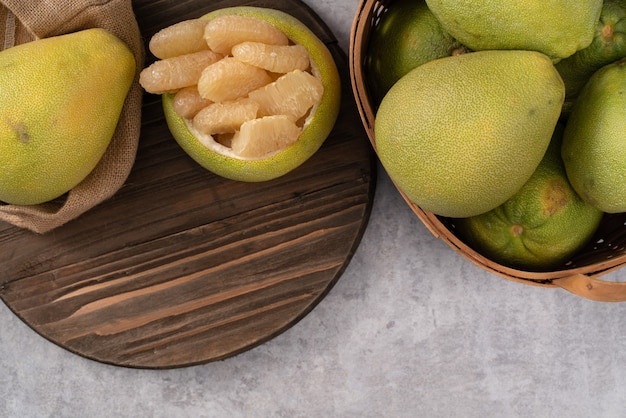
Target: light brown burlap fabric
(23, 21)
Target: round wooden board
(182, 267)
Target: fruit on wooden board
(259, 95)
(60, 102)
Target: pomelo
(291, 104)
(594, 142)
(608, 45)
(541, 226)
(408, 35)
(60, 101)
(558, 28)
(460, 135)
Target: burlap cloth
(27, 20)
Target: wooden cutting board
(182, 267)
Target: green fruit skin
(408, 35)
(594, 143)
(542, 226)
(60, 101)
(608, 45)
(314, 133)
(557, 28)
(460, 135)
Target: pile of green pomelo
(507, 117)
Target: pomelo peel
(59, 119)
(219, 158)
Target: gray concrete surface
(412, 329)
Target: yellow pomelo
(543, 225)
(218, 158)
(60, 101)
(460, 135)
(558, 28)
(594, 143)
(408, 35)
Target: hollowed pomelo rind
(317, 128)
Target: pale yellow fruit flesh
(217, 153)
(292, 95)
(273, 58)
(230, 79)
(229, 30)
(174, 73)
(189, 37)
(188, 102)
(225, 117)
(278, 132)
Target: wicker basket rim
(581, 280)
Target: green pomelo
(408, 35)
(317, 127)
(60, 101)
(594, 143)
(557, 28)
(460, 135)
(542, 226)
(609, 45)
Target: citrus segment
(293, 95)
(222, 33)
(230, 79)
(182, 38)
(260, 137)
(188, 102)
(175, 73)
(225, 117)
(268, 145)
(274, 58)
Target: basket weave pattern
(605, 253)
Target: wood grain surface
(182, 267)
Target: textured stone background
(411, 329)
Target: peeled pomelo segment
(225, 117)
(224, 32)
(188, 102)
(274, 58)
(172, 74)
(230, 79)
(181, 38)
(293, 94)
(261, 137)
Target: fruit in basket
(460, 135)
(408, 35)
(609, 45)
(262, 107)
(541, 226)
(60, 100)
(557, 28)
(594, 143)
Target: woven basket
(605, 253)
